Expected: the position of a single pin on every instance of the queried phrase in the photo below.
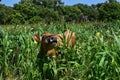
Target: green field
(96, 55)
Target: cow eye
(44, 37)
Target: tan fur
(70, 38)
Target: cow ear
(67, 34)
(70, 37)
(37, 38)
(72, 40)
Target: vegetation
(96, 54)
(48, 11)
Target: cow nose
(53, 39)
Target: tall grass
(93, 57)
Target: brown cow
(50, 42)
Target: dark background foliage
(35, 11)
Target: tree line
(35, 11)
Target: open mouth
(53, 42)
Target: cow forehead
(49, 34)
(58, 36)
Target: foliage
(89, 11)
(28, 10)
(71, 13)
(49, 15)
(36, 13)
(16, 18)
(49, 11)
(109, 11)
(96, 55)
(5, 13)
(112, 1)
(48, 3)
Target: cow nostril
(53, 38)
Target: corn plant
(96, 54)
